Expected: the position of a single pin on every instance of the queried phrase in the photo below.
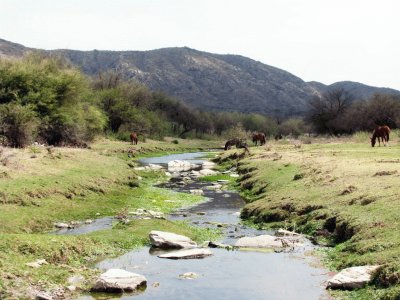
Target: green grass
(341, 187)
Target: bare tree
(326, 111)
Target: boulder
(179, 166)
(261, 241)
(118, 281)
(37, 263)
(187, 254)
(352, 278)
(234, 175)
(214, 187)
(196, 192)
(154, 167)
(62, 225)
(195, 174)
(207, 172)
(283, 232)
(208, 165)
(163, 239)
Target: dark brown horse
(230, 143)
(259, 137)
(382, 132)
(238, 143)
(134, 138)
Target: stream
(227, 274)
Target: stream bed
(233, 274)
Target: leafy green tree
(18, 124)
(59, 95)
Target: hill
(209, 81)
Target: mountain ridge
(217, 82)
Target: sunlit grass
(339, 181)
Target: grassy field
(342, 192)
(40, 186)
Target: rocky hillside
(206, 80)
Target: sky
(316, 40)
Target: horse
(381, 132)
(238, 143)
(259, 136)
(230, 143)
(134, 138)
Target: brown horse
(382, 132)
(134, 138)
(232, 142)
(238, 143)
(259, 137)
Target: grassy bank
(342, 192)
(40, 186)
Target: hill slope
(209, 81)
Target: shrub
(18, 124)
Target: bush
(57, 94)
(18, 124)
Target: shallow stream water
(227, 274)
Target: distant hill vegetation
(208, 81)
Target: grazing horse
(259, 136)
(238, 143)
(382, 132)
(134, 138)
(230, 143)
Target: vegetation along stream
(288, 273)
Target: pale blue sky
(322, 40)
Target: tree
(326, 110)
(58, 94)
(18, 124)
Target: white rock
(261, 241)
(117, 280)
(62, 225)
(168, 174)
(43, 296)
(37, 263)
(139, 168)
(188, 275)
(88, 221)
(234, 175)
(187, 254)
(170, 240)
(352, 278)
(179, 166)
(196, 192)
(207, 172)
(195, 173)
(214, 187)
(71, 288)
(154, 167)
(283, 232)
(208, 165)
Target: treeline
(45, 99)
(337, 112)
